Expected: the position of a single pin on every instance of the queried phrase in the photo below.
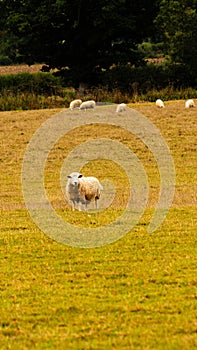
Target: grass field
(22, 68)
(139, 292)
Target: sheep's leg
(96, 203)
(79, 206)
(86, 205)
(73, 205)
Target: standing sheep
(121, 107)
(88, 105)
(75, 104)
(159, 103)
(82, 190)
(189, 103)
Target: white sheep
(82, 190)
(189, 103)
(121, 107)
(88, 105)
(75, 104)
(159, 103)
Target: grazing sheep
(75, 104)
(159, 103)
(82, 190)
(189, 104)
(121, 107)
(88, 105)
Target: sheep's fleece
(82, 190)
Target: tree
(85, 36)
(177, 25)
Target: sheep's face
(74, 179)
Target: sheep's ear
(80, 175)
(69, 177)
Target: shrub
(5, 61)
(38, 83)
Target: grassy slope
(138, 293)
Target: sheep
(75, 104)
(82, 190)
(189, 103)
(159, 103)
(88, 105)
(121, 107)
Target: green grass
(137, 293)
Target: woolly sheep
(82, 190)
(75, 104)
(159, 103)
(121, 107)
(189, 104)
(88, 105)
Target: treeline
(44, 90)
(104, 43)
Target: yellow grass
(137, 293)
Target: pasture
(139, 292)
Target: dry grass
(22, 68)
(138, 293)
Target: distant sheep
(75, 104)
(121, 107)
(159, 103)
(82, 190)
(189, 103)
(88, 105)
